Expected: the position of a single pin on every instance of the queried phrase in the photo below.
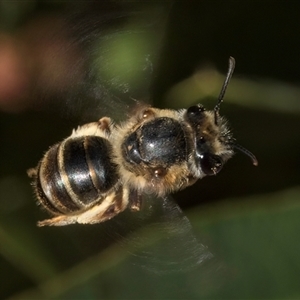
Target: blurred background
(66, 63)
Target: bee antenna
(247, 152)
(224, 87)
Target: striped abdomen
(75, 174)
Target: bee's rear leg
(135, 200)
(32, 172)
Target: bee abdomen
(75, 174)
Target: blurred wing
(105, 60)
(159, 237)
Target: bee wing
(107, 56)
(160, 237)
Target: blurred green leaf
(255, 241)
(260, 94)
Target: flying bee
(103, 167)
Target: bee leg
(135, 200)
(111, 205)
(58, 221)
(31, 173)
(100, 128)
(97, 214)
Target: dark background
(248, 216)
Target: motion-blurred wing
(107, 57)
(159, 237)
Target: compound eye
(195, 112)
(211, 164)
(196, 109)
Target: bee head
(213, 141)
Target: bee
(102, 168)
